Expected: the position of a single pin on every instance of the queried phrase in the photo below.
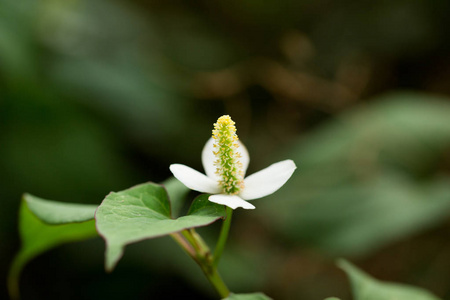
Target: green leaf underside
(332, 298)
(143, 212)
(53, 212)
(253, 296)
(367, 288)
(38, 237)
(177, 194)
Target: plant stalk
(177, 237)
(217, 282)
(222, 237)
(196, 248)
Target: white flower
(225, 169)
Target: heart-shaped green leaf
(38, 237)
(143, 212)
(367, 288)
(53, 212)
(253, 296)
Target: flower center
(229, 168)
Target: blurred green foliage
(38, 237)
(368, 177)
(367, 288)
(255, 296)
(96, 96)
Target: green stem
(203, 247)
(184, 244)
(188, 236)
(223, 237)
(197, 249)
(13, 278)
(214, 278)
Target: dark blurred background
(96, 96)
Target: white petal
(208, 158)
(232, 201)
(268, 180)
(245, 157)
(194, 180)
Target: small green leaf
(143, 212)
(38, 237)
(253, 296)
(53, 212)
(367, 288)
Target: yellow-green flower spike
(229, 168)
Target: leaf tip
(343, 264)
(113, 254)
